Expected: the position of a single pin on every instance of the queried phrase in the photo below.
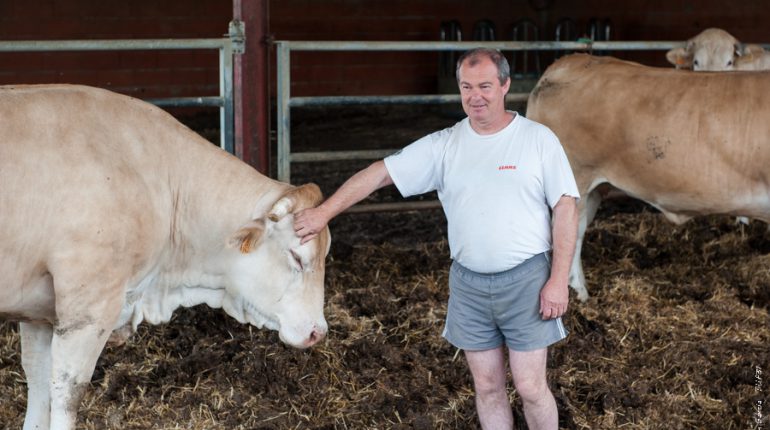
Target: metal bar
(110, 45)
(371, 154)
(392, 207)
(221, 92)
(237, 26)
(416, 99)
(458, 46)
(227, 122)
(283, 111)
(187, 101)
(260, 42)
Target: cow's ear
(750, 49)
(295, 199)
(247, 237)
(680, 57)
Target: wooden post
(250, 83)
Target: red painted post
(250, 85)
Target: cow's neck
(207, 204)
(161, 292)
(182, 290)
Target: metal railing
(226, 46)
(285, 102)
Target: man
(507, 189)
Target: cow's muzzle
(316, 336)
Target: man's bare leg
(529, 377)
(489, 379)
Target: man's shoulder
(531, 123)
(444, 135)
(539, 130)
(459, 125)
(432, 143)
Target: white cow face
(712, 50)
(715, 57)
(276, 282)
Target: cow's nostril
(315, 336)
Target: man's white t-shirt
(496, 190)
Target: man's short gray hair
(474, 56)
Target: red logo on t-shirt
(507, 167)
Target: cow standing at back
(687, 143)
(715, 50)
(113, 213)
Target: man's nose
(473, 94)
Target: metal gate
(285, 102)
(226, 46)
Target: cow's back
(686, 142)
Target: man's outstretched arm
(308, 222)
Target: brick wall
(192, 73)
(139, 73)
(415, 72)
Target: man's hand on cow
(554, 299)
(308, 222)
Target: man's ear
(506, 85)
(247, 237)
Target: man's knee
(488, 370)
(488, 385)
(532, 389)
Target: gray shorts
(487, 310)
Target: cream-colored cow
(113, 213)
(753, 57)
(687, 143)
(715, 50)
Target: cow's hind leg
(36, 361)
(587, 208)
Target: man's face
(482, 95)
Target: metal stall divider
(566, 30)
(285, 102)
(226, 46)
(449, 31)
(525, 65)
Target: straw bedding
(675, 335)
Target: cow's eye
(297, 260)
(730, 63)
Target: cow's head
(712, 49)
(276, 282)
